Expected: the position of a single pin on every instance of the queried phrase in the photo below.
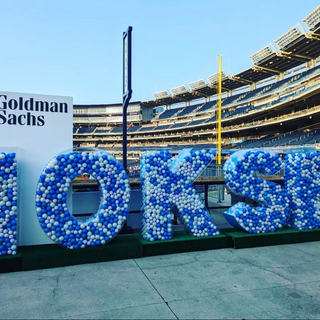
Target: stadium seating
(309, 138)
(196, 122)
(188, 110)
(237, 111)
(212, 119)
(86, 130)
(207, 106)
(147, 129)
(281, 98)
(179, 125)
(163, 127)
(104, 130)
(168, 113)
(231, 99)
(283, 140)
(117, 129)
(291, 139)
(134, 128)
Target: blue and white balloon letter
(51, 198)
(8, 203)
(240, 174)
(167, 181)
(302, 175)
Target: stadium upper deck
(278, 95)
(295, 48)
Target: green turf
(134, 246)
(50, 256)
(11, 263)
(242, 239)
(183, 242)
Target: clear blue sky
(74, 47)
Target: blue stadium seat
(231, 99)
(146, 129)
(196, 122)
(212, 119)
(179, 125)
(207, 106)
(134, 128)
(86, 130)
(189, 110)
(102, 130)
(117, 129)
(168, 113)
(162, 127)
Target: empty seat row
(86, 130)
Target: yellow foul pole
(219, 108)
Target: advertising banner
(40, 126)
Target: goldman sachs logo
(8, 110)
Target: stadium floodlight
(198, 84)
(179, 90)
(312, 19)
(262, 54)
(162, 94)
(289, 36)
(214, 78)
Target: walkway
(278, 282)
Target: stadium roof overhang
(296, 47)
(88, 106)
(316, 30)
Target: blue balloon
(8, 211)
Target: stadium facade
(275, 103)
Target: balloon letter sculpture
(240, 173)
(167, 181)
(302, 175)
(51, 198)
(8, 203)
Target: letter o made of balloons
(51, 198)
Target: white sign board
(40, 126)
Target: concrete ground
(279, 282)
